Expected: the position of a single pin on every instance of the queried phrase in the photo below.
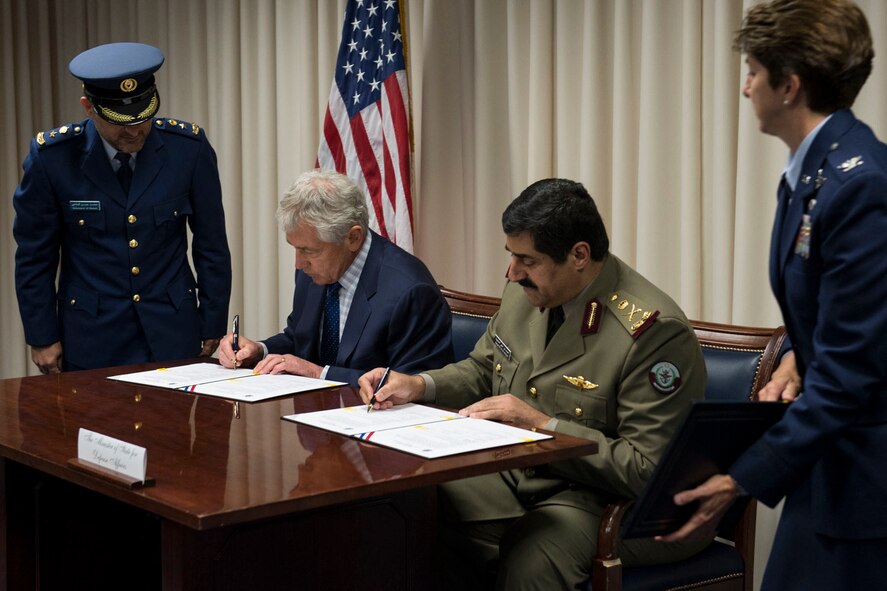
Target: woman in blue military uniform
(807, 61)
(104, 205)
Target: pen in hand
(235, 332)
(378, 387)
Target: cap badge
(128, 85)
(665, 377)
(580, 382)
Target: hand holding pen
(378, 387)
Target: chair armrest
(606, 568)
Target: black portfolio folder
(713, 435)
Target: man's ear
(354, 238)
(87, 106)
(581, 255)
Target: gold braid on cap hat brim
(116, 117)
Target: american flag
(366, 128)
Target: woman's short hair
(827, 43)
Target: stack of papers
(416, 429)
(234, 384)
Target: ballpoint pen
(235, 330)
(379, 387)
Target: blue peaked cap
(118, 79)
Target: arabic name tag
(112, 454)
(502, 347)
(85, 205)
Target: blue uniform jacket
(124, 277)
(398, 318)
(829, 273)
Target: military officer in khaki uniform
(582, 344)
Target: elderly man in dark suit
(360, 301)
(110, 198)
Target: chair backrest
(471, 314)
(739, 359)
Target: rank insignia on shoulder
(580, 382)
(591, 320)
(500, 344)
(851, 163)
(665, 377)
(46, 138)
(182, 127)
(634, 314)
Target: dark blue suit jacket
(117, 248)
(830, 449)
(398, 318)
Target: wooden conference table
(241, 500)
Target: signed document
(211, 379)
(420, 430)
(256, 387)
(182, 376)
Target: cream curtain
(637, 99)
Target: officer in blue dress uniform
(101, 269)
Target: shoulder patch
(665, 377)
(634, 314)
(57, 135)
(191, 130)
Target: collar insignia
(851, 163)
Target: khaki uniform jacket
(622, 371)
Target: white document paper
(446, 438)
(184, 375)
(256, 387)
(212, 379)
(114, 454)
(417, 429)
(354, 420)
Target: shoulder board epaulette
(54, 136)
(634, 314)
(191, 130)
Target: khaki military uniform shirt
(622, 371)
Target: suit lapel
(815, 161)
(361, 306)
(97, 168)
(792, 222)
(148, 165)
(569, 342)
(565, 346)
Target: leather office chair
(471, 314)
(739, 361)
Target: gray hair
(330, 202)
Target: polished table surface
(219, 463)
